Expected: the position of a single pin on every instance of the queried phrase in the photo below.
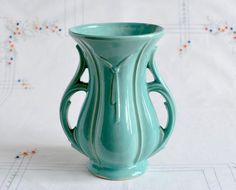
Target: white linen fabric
(196, 58)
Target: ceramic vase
(117, 128)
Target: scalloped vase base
(118, 173)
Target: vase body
(118, 128)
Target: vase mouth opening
(120, 30)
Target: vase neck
(115, 51)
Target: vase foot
(118, 173)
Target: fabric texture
(196, 58)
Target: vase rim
(117, 30)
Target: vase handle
(75, 85)
(159, 86)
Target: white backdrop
(196, 58)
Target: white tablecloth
(196, 58)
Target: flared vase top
(116, 41)
(120, 30)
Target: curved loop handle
(75, 85)
(159, 86)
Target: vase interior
(116, 29)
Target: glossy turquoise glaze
(117, 129)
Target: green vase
(117, 129)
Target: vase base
(118, 173)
